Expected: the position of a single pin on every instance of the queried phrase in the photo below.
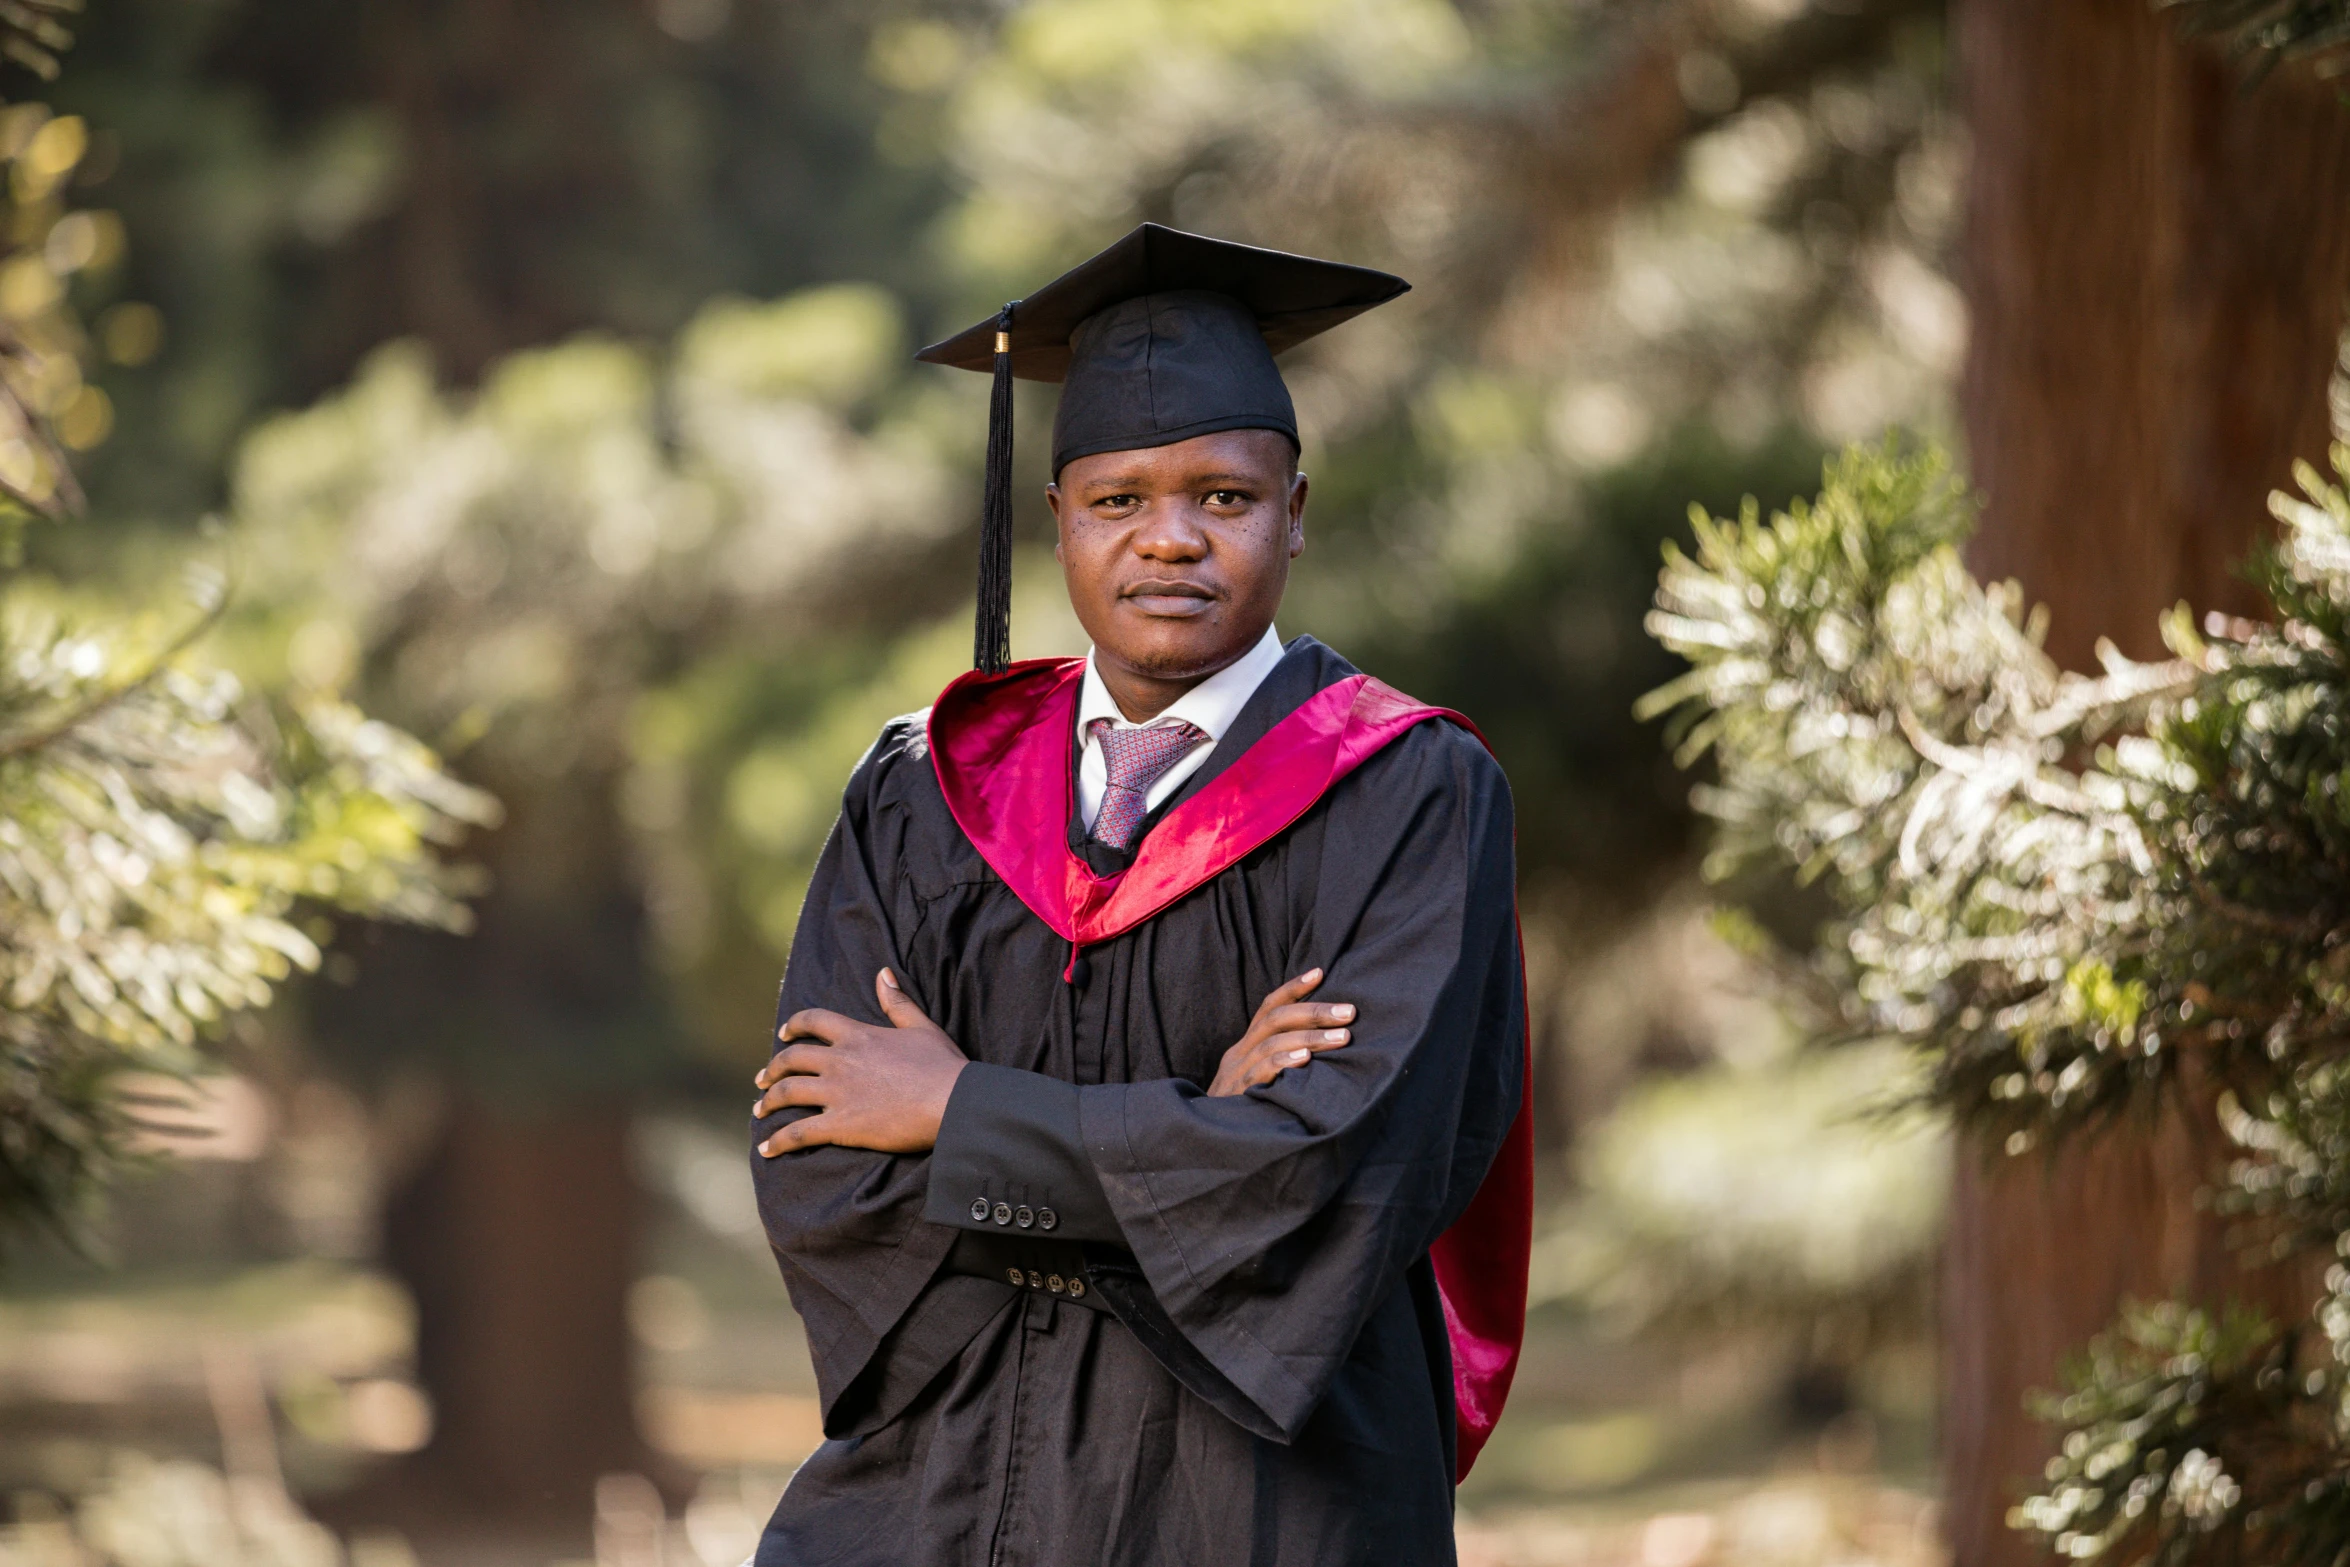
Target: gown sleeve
(1017, 1135)
(1267, 1226)
(846, 1224)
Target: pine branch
(61, 496)
(2050, 935)
(2055, 937)
(93, 704)
(2194, 1441)
(163, 862)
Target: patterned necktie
(1136, 758)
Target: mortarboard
(1161, 337)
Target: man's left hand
(880, 1088)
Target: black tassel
(991, 641)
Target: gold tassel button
(1003, 342)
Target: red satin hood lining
(1001, 751)
(1001, 748)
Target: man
(1154, 1019)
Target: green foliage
(605, 166)
(1548, 657)
(161, 832)
(2056, 933)
(2059, 888)
(1884, 722)
(1774, 1191)
(169, 838)
(774, 789)
(656, 596)
(2196, 1439)
(47, 406)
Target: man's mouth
(1173, 599)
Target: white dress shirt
(1211, 705)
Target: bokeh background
(536, 374)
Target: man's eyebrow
(1227, 478)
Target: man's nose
(1172, 530)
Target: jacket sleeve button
(1076, 1289)
(1055, 1283)
(978, 1210)
(1024, 1216)
(1003, 1213)
(1047, 1219)
(1035, 1279)
(1015, 1275)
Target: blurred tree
(168, 837)
(530, 564)
(2082, 897)
(310, 183)
(1773, 1191)
(475, 180)
(2156, 264)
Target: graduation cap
(1161, 337)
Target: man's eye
(1118, 502)
(1227, 498)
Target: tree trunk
(516, 1236)
(2156, 262)
(514, 1221)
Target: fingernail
(1336, 1035)
(1313, 973)
(1296, 1056)
(889, 979)
(1343, 1012)
(768, 1148)
(759, 1080)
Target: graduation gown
(1108, 1319)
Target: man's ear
(1052, 498)
(1297, 515)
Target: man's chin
(1164, 652)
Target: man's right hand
(1287, 1031)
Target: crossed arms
(886, 1088)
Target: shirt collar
(1212, 705)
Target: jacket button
(1023, 1216)
(1035, 1279)
(1003, 1213)
(1055, 1283)
(1015, 1275)
(1076, 1289)
(978, 1210)
(1047, 1219)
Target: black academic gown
(1271, 1382)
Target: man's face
(1176, 555)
